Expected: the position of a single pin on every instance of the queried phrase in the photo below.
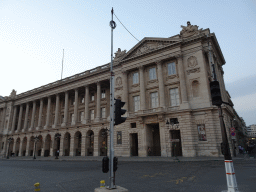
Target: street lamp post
(57, 136)
(36, 139)
(9, 142)
(175, 125)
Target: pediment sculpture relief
(148, 47)
(192, 61)
(119, 54)
(13, 94)
(189, 30)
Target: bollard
(37, 186)
(102, 183)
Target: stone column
(83, 145)
(86, 105)
(162, 133)
(71, 153)
(27, 147)
(183, 87)
(48, 113)
(14, 119)
(40, 114)
(125, 92)
(142, 90)
(161, 84)
(96, 144)
(65, 110)
(26, 118)
(3, 117)
(14, 146)
(61, 144)
(20, 117)
(20, 152)
(56, 111)
(97, 119)
(75, 107)
(33, 116)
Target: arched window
(195, 88)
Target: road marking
(180, 180)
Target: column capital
(141, 67)
(159, 62)
(179, 56)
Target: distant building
(251, 131)
(160, 79)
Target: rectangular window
(103, 112)
(171, 69)
(154, 99)
(201, 132)
(72, 117)
(152, 73)
(103, 93)
(81, 116)
(72, 101)
(174, 95)
(92, 97)
(92, 114)
(135, 78)
(82, 99)
(136, 103)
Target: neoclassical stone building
(160, 79)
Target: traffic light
(119, 112)
(215, 93)
(115, 163)
(105, 164)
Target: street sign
(232, 129)
(175, 140)
(233, 133)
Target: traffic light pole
(230, 171)
(112, 87)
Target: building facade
(160, 79)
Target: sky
(33, 35)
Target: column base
(85, 121)
(97, 119)
(46, 127)
(63, 125)
(23, 130)
(30, 129)
(54, 126)
(10, 132)
(37, 128)
(73, 123)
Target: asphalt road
(62, 176)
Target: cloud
(245, 103)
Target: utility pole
(217, 101)
(112, 88)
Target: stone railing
(88, 72)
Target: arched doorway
(47, 145)
(103, 141)
(31, 146)
(17, 147)
(77, 143)
(66, 144)
(56, 144)
(24, 145)
(39, 145)
(89, 143)
(10, 150)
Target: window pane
(135, 78)
(154, 100)
(174, 95)
(152, 73)
(171, 69)
(136, 101)
(103, 112)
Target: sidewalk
(151, 158)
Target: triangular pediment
(148, 45)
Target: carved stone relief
(196, 70)
(118, 81)
(192, 61)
